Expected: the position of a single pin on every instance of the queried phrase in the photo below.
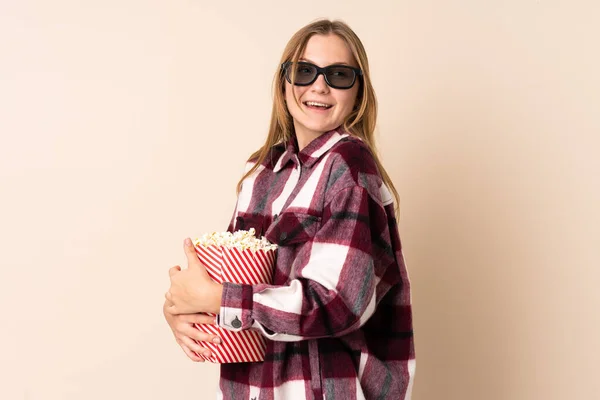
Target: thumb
(190, 253)
(174, 270)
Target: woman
(338, 314)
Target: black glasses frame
(321, 71)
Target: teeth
(314, 103)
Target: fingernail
(188, 242)
(217, 340)
(206, 353)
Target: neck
(305, 137)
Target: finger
(198, 335)
(190, 253)
(179, 309)
(190, 344)
(169, 298)
(174, 270)
(190, 353)
(173, 310)
(200, 319)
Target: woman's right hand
(185, 332)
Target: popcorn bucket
(237, 258)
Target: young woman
(338, 314)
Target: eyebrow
(336, 63)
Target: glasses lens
(305, 73)
(341, 77)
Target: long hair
(360, 122)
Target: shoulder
(354, 156)
(355, 153)
(353, 164)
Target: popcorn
(238, 257)
(242, 240)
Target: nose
(319, 85)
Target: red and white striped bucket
(225, 264)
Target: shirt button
(283, 236)
(236, 323)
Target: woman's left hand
(192, 290)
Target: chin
(320, 127)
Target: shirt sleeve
(334, 293)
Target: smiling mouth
(316, 105)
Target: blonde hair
(360, 122)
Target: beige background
(125, 124)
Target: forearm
(302, 310)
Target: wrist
(217, 297)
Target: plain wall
(125, 126)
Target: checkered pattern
(338, 314)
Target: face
(311, 122)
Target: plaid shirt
(338, 314)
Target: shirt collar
(311, 153)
